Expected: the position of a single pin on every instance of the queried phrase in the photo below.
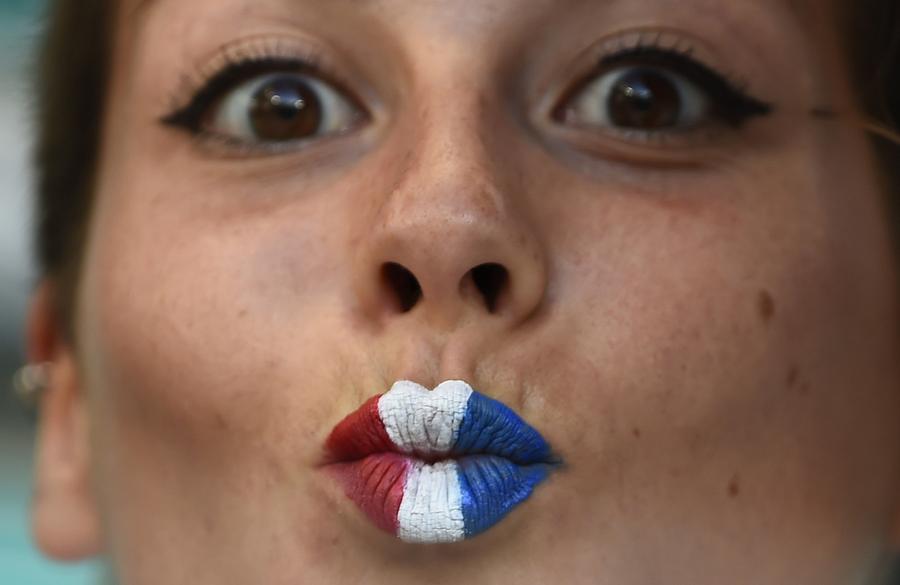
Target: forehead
(762, 28)
(477, 24)
(803, 11)
(417, 37)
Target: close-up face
(641, 246)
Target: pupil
(284, 109)
(644, 99)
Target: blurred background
(20, 563)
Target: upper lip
(450, 421)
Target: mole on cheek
(793, 376)
(221, 423)
(766, 306)
(734, 486)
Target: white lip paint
(421, 421)
(431, 511)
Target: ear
(65, 519)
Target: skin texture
(704, 329)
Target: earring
(30, 382)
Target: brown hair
(873, 40)
(71, 92)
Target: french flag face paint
(437, 466)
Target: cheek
(716, 346)
(738, 282)
(197, 321)
(207, 347)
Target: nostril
(402, 284)
(491, 280)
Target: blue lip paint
(492, 486)
(491, 427)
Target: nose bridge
(452, 170)
(448, 204)
(452, 174)
(451, 225)
(449, 190)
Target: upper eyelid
(546, 93)
(720, 85)
(730, 102)
(303, 55)
(234, 74)
(660, 57)
(668, 57)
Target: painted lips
(440, 465)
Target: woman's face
(689, 290)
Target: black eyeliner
(730, 104)
(191, 117)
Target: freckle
(804, 388)
(221, 424)
(793, 376)
(734, 486)
(636, 432)
(766, 305)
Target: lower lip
(437, 502)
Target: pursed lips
(437, 466)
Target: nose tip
(473, 269)
(452, 239)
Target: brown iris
(644, 99)
(285, 108)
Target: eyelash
(190, 117)
(241, 63)
(732, 103)
(729, 102)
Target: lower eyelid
(657, 151)
(226, 147)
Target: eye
(282, 107)
(655, 91)
(273, 106)
(638, 98)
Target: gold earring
(31, 381)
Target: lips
(437, 466)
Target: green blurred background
(20, 563)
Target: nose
(452, 242)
